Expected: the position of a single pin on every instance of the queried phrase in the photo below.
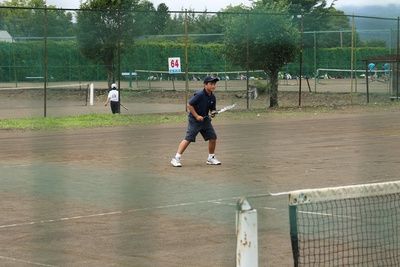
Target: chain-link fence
(133, 47)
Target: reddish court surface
(109, 196)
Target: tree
(332, 27)
(324, 19)
(100, 25)
(273, 40)
(26, 19)
(162, 18)
(372, 43)
(145, 18)
(321, 18)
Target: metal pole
(397, 59)
(186, 61)
(45, 62)
(294, 234)
(352, 61)
(315, 62)
(247, 61)
(301, 56)
(119, 59)
(366, 77)
(355, 60)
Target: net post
(246, 234)
(294, 234)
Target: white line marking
(14, 166)
(29, 262)
(212, 201)
(111, 213)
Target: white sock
(178, 156)
(210, 156)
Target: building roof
(5, 36)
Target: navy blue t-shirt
(203, 102)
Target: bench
(129, 74)
(34, 78)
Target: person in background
(386, 68)
(372, 71)
(112, 98)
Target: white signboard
(174, 64)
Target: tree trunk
(273, 89)
(109, 62)
(110, 74)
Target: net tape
(306, 196)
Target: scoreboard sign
(174, 64)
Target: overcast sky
(217, 5)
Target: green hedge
(65, 63)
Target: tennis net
(346, 226)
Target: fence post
(91, 94)
(246, 234)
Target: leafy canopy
(26, 19)
(268, 33)
(273, 39)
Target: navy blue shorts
(205, 128)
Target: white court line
(29, 262)
(214, 201)
(13, 166)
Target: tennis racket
(122, 105)
(221, 110)
(224, 109)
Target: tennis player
(372, 71)
(112, 98)
(199, 121)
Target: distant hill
(389, 11)
(378, 20)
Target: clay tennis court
(110, 197)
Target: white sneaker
(213, 161)
(176, 162)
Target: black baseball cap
(210, 78)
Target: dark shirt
(202, 103)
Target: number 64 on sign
(174, 64)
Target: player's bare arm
(194, 113)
